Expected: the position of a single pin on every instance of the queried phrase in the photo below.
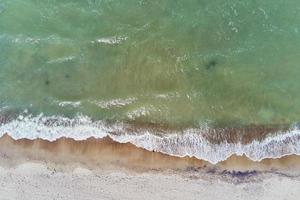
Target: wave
(56, 39)
(114, 102)
(110, 40)
(190, 142)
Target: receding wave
(184, 142)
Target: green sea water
(180, 63)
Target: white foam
(189, 142)
(140, 112)
(114, 102)
(74, 104)
(61, 60)
(110, 40)
(192, 143)
(23, 39)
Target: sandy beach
(103, 169)
(40, 181)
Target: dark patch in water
(2, 8)
(211, 64)
(47, 82)
(67, 76)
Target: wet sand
(108, 153)
(104, 169)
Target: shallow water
(194, 63)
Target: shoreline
(107, 153)
(105, 169)
(210, 144)
(215, 135)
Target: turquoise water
(225, 63)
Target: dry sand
(37, 181)
(103, 169)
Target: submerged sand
(105, 169)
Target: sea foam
(189, 142)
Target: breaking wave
(187, 142)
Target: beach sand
(104, 169)
(39, 181)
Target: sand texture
(37, 181)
